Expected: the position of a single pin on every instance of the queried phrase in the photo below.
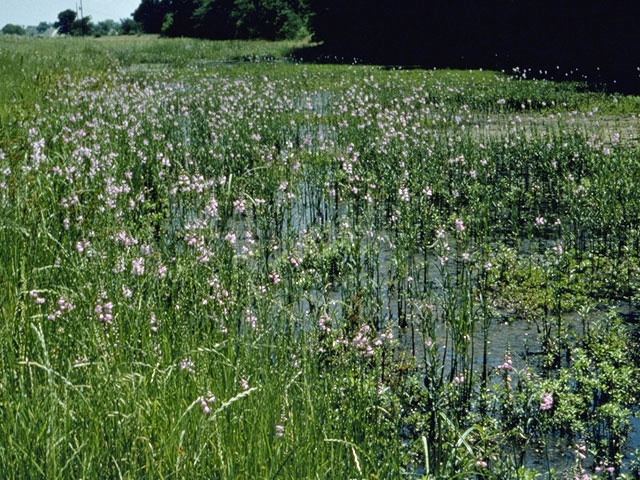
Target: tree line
(599, 39)
(225, 19)
(563, 30)
(68, 23)
(561, 37)
(538, 34)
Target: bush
(10, 29)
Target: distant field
(219, 262)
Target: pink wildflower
(507, 365)
(547, 401)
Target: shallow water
(634, 436)
(528, 126)
(507, 334)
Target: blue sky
(32, 12)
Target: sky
(32, 12)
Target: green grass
(183, 219)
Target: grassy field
(219, 262)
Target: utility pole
(81, 18)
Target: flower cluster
(63, 306)
(546, 401)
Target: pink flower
(275, 278)
(187, 365)
(324, 323)
(137, 266)
(162, 271)
(239, 206)
(231, 238)
(251, 320)
(547, 401)
(204, 403)
(580, 451)
(507, 365)
(295, 261)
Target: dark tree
(106, 27)
(150, 15)
(219, 19)
(65, 21)
(178, 22)
(82, 27)
(213, 19)
(269, 19)
(598, 39)
(43, 27)
(129, 26)
(10, 29)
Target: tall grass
(218, 265)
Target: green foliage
(82, 27)
(106, 27)
(220, 263)
(43, 27)
(69, 24)
(10, 29)
(65, 21)
(225, 19)
(129, 26)
(150, 15)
